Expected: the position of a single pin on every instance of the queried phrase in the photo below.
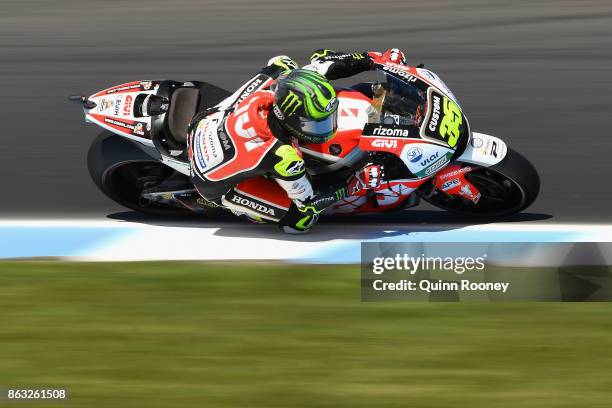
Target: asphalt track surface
(536, 74)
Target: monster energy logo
(320, 54)
(318, 93)
(291, 103)
(286, 63)
(341, 193)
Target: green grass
(237, 335)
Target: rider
(257, 130)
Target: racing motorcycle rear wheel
(121, 171)
(507, 188)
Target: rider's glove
(393, 55)
(367, 178)
(324, 55)
(335, 65)
(282, 62)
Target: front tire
(507, 188)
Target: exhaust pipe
(86, 103)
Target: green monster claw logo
(341, 193)
(321, 54)
(311, 209)
(291, 103)
(287, 64)
(319, 96)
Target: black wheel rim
(127, 180)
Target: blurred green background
(278, 335)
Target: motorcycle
(409, 121)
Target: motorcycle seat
(183, 106)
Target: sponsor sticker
(332, 105)
(467, 192)
(225, 140)
(208, 146)
(449, 184)
(105, 104)
(427, 74)
(257, 206)
(436, 166)
(388, 130)
(249, 89)
(430, 159)
(414, 154)
(278, 112)
(476, 142)
(117, 105)
(127, 105)
(444, 119)
(136, 128)
(199, 154)
(131, 86)
(296, 167)
(422, 159)
(388, 143)
(494, 148)
(123, 88)
(400, 72)
(493, 151)
(455, 173)
(213, 153)
(139, 129)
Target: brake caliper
(451, 180)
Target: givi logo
(127, 105)
(388, 143)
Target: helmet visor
(317, 131)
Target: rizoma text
(431, 263)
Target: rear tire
(121, 170)
(507, 188)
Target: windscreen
(399, 102)
(412, 102)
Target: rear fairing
(114, 110)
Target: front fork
(451, 180)
(482, 151)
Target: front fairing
(419, 100)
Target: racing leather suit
(238, 140)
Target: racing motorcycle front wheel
(507, 188)
(122, 171)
